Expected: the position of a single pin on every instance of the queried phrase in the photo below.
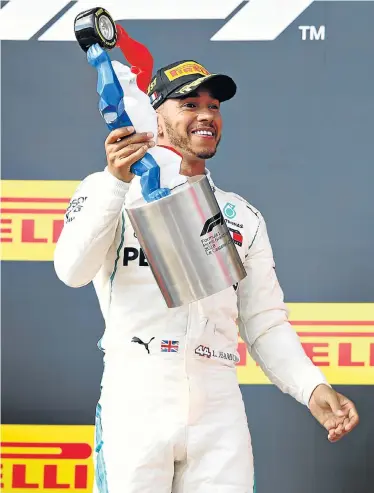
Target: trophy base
(187, 243)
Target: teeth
(204, 132)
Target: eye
(189, 105)
(214, 106)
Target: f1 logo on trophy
(180, 227)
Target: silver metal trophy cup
(187, 243)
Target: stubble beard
(184, 143)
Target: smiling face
(192, 125)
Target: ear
(160, 126)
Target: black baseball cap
(181, 78)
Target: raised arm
(94, 211)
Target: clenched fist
(124, 148)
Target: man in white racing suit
(171, 415)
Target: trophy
(182, 231)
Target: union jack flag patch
(169, 346)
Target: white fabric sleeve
(264, 325)
(89, 229)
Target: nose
(205, 115)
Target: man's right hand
(124, 148)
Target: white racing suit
(171, 415)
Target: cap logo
(152, 85)
(154, 96)
(186, 68)
(191, 85)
